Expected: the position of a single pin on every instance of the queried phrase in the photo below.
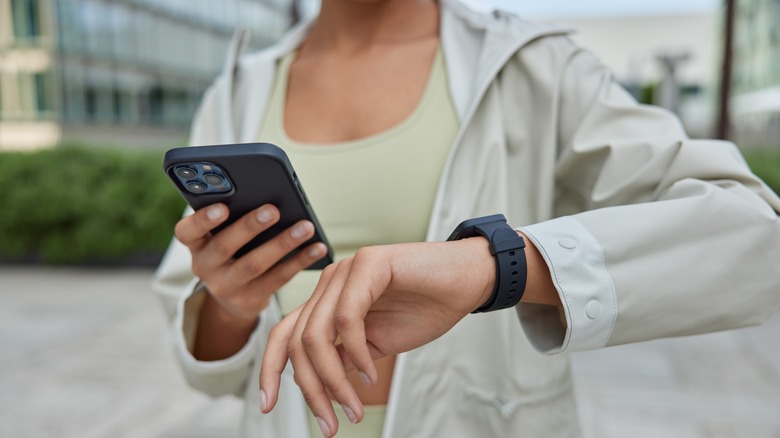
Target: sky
(598, 8)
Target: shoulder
(240, 67)
(500, 22)
(243, 73)
(260, 59)
(501, 34)
(266, 58)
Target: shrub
(86, 205)
(74, 204)
(766, 164)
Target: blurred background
(131, 72)
(93, 91)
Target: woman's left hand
(383, 301)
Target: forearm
(220, 335)
(385, 300)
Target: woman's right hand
(239, 289)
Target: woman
(403, 118)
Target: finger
(280, 274)
(319, 339)
(347, 362)
(275, 359)
(194, 230)
(261, 259)
(277, 351)
(312, 388)
(306, 377)
(224, 245)
(368, 279)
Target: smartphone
(244, 177)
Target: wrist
(507, 249)
(482, 273)
(220, 334)
(215, 310)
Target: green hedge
(92, 205)
(766, 164)
(85, 205)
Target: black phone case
(261, 174)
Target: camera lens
(213, 179)
(186, 172)
(196, 187)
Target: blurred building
(117, 71)
(756, 73)
(669, 60)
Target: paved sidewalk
(85, 353)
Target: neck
(352, 25)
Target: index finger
(275, 359)
(193, 231)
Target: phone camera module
(201, 178)
(186, 173)
(196, 187)
(213, 179)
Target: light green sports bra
(371, 191)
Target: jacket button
(593, 309)
(567, 243)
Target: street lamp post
(724, 121)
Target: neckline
(358, 143)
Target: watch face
(484, 220)
(466, 228)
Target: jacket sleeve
(669, 237)
(182, 295)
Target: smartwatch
(508, 248)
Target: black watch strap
(508, 248)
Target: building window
(26, 18)
(90, 104)
(156, 105)
(43, 93)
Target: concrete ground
(84, 353)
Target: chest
(341, 97)
(379, 188)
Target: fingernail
(300, 230)
(263, 401)
(265, 215)
(323, 426)
(365, 379)
(315, 252)
(350, 414)
(214, 212)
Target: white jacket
(647, 233)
